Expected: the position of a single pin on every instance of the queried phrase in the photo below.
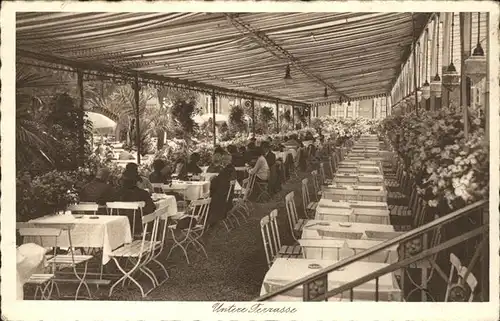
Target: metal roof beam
(162, 79)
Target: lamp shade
(475, 68)
(436, 86)
(426, 90)
(451, 78)
(419, 95)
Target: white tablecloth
(284, 271)
(329, 249)
(313, 229)
(167, 202)
(106, 232)
(191, 190)
(358, 214)
(354, 204)
(30, 260)
(360, 193)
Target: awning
(354, 55)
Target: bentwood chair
(296, 224)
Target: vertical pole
(465, 37)
(487, 80)
(386, 106)
(434, 57)
(137, 118)
(81, 136)
(277, 117)
(415, 69)
(253, 116)
(447, 21)
(310, 112)
(213, 117)
(330, 110)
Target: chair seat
(131, 250)
(290, 251)
(69, 259)
(312, 206)
(39, 278)
(300, 224)
(396, 195)
(391, 183)
(399, 210)
(402, 228)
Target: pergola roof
(354, 55)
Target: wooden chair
(195, 229)
(286, 251)
(129, 208)
(84, 208)
(139, 253)
(309, 207)
(57, 261)
(296, 224)
(316, 185)
(230, 214)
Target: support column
(293, 117)
(465, 42)
(434, 57)
(277, 116)
(310, 112)
(253, 116)
(447, 20)
(137, 118)
(213, 117)
(81, 135)
(487, 80)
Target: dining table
(320, 229)
(286, 270)
(191, 190)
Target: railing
(321, 276)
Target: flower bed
(450, 171)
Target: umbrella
(101, 122)
(219, 118)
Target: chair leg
(126, 275)
(82, 281)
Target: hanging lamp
(451, 78)
(326, 93)
(475, 65)
(436, 82)
(426, 88)
(288, 78)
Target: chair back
(130, 208)
(379, 235)
(322, 175)
(245, 189)
(291, 211)
(157, 187)
(149, 238)
(331, 164)
(306, 199)
(89, 208)
(275, 233)
(201, 208)
(341, 235)
(266, 239)
(316, 184)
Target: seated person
(250, 156)
(216, 165)
(261, 168)
(237, 158)
(192, 166)
(292, 141)
(180, 171)
(98, 190)
(158, 176)
(142, 182)
(129, 192)
(268, 154)
(220, 203)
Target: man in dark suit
(268, 155)
(274, 184)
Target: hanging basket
(436, 88)
(451, 78)
(426, 90)
(475, 68)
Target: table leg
(424, 283)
